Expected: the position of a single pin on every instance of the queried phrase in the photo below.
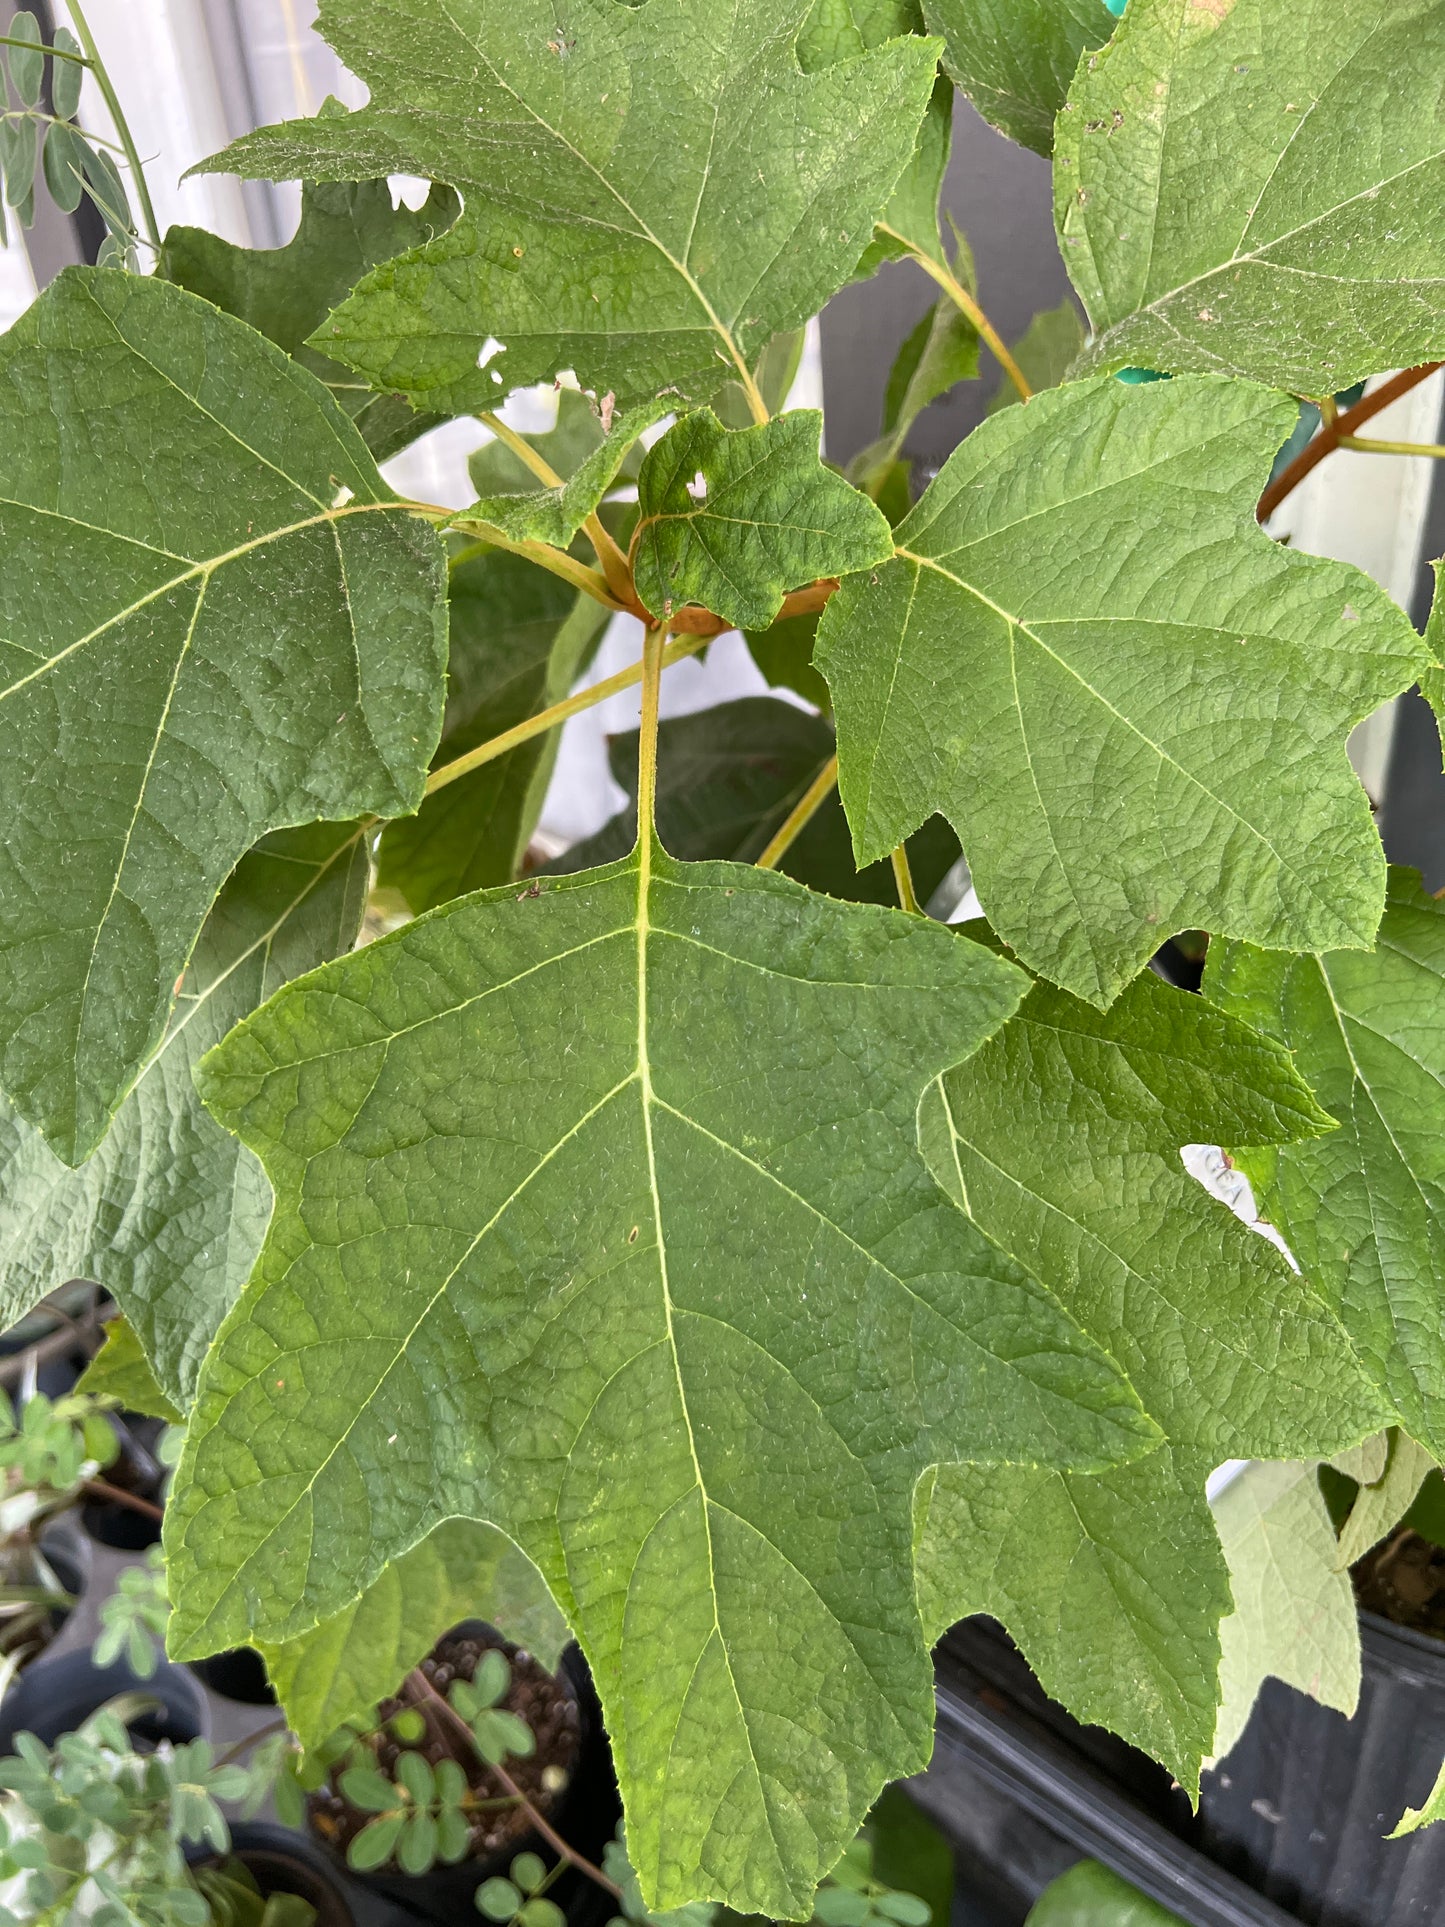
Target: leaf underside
(1363, 1209)
(168, 1215)
(461, 1570)
(1128, 701)
(1294, 1614)
(674, 1305)
(1252, 188)
(220, 650)
(651, 193)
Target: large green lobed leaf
(1128, 701)
(1253, 187)
(599, 1217)
(650, 192)
(1363, 1210)
(461, 1570)
(170, 1212)
(215, 624)
(1014, 59)
(286, 293)
(1061, 1138)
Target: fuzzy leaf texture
(1014, 59)
(461, 1570)
(731, 522)
(1251, 188)
(519, 639)
(1363, 1210)
(202, 642)
(286, 293)
(168, 1215)
(675, 1305)
(1128, 701)
(650, 192)
(1294, 1614)
(1061, 1139)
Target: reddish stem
(113, 1495)
(1328, 439)
(419, 1682)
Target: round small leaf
(540, 1912)
(498, 1899)
(66, 76)
(529, 1870)
(62, 174)
(413, 1771)
(374, 1843)
(408, 1725)
(289, 1800)
(17, 158)
(451, 1783)
(368, 1789)
(453, 1835)
(840, 1907)
(492, 1678)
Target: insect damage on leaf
(646, 205)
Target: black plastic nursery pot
(1302, 1805)
(138, 1472)
(239, 1674)
(1022, 1792)
(585, 1816)
(55, 1696)
(283, 1862)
